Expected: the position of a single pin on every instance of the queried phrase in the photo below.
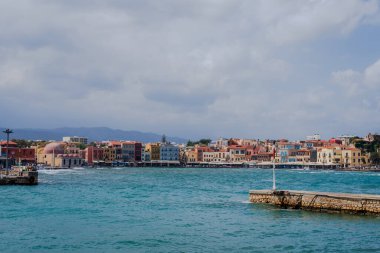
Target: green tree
(375, 158)
(205, 141)
(81, 146)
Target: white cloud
(372, 75)
(354, 82)
(174, 66)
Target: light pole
(273, 169)
(7, 132)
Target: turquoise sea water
(179, 210)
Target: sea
(180, 210)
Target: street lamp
(7, 132)
(273, 169)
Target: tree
(81, 146)
(375, 158)
(163, 139)
(205, 141)
(22, 143)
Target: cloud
(355, 82)
(190, 68)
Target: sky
(192, 68)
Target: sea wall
(319, 201)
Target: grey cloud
(174, 64)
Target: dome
(54, 147)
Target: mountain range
(92, 133)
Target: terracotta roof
(5, 143)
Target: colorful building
(169, 152)
(17, 155)
(154, 150)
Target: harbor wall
(319, 201)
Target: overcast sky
(207, 68)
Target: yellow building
(191, 156)
(154, 150)
(55, 155)
(353, 157)
(302, 156)
(109, 154)
(216, 156)
(329, 155)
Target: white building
(314, 137)
(75, 139)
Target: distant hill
(92, 133)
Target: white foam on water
(56, 171)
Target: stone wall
(319, 201)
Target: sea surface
(180, 210)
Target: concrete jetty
(19, 176)
(319, 201)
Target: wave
(60, 171)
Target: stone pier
(319, 201)
(22, 178)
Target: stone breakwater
(319, 201)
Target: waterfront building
(68, 161)
(237, 153)
(216, 156)
(288, 145)
(72, 150)
(191, 155)
(75, 139)
(354, 157)
(283, 155)
(208, 157)
(154, 150)
(199, 150)
(145, 155)
(169, 152)
(17, 155)
(131, 151)
(329, 155)
(116, 145)
(55, 155)
(94, 155)
(109, 154)
(262, 157)
(292, 155)
(303, 155)
(312, 144)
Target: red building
(138, 151)
(94, 154)
(335, 141)
(199, 150)
(17, 155)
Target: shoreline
(225, 166)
